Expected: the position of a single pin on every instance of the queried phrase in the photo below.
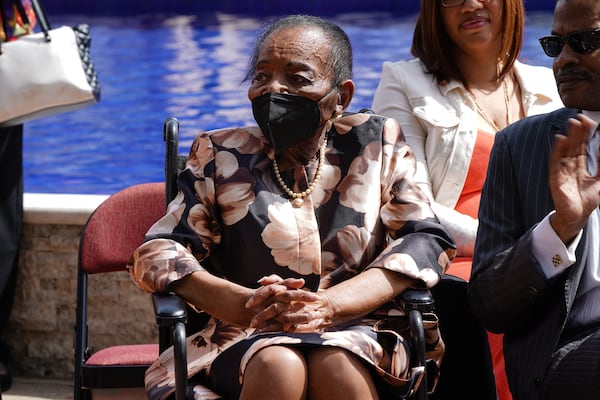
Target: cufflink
(556, 260)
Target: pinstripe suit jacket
(508, 290)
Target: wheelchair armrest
(168, 309)
(171, 317)
(415, 299)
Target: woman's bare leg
(337, 374)
(277, 373)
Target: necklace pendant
(297, 202)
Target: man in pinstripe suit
(536, 270)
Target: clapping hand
(575, 192)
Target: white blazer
(440, 125)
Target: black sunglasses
(581, 42)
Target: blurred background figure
(11, 190)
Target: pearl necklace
(296, 198)
(486, 117)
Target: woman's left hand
(282, 305)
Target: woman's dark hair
(433, 47)
(341, 50)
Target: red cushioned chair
(111, 234)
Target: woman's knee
(283, 368)
(336, 372)
(275, 356)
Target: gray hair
(341, 50)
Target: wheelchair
(173, 315)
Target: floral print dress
(232, 219)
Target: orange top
(468, 202)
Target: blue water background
(190, 66)
(253, 7)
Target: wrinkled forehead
(299, 44)
(575, 15)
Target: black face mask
(286, 119)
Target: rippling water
(189, 67)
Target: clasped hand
(282, 305)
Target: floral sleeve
(419, 246)
(176, 244)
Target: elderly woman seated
(295, 236)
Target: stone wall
(41, 328)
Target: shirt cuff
(550, 252)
